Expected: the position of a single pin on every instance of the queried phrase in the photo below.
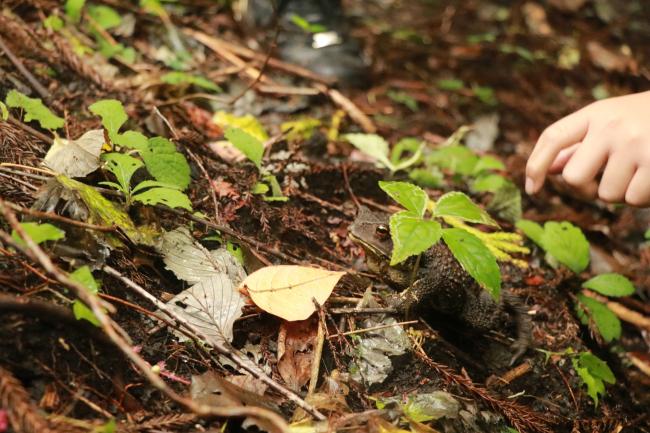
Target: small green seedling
(306, 25)
(375, 146)
(34, 110)
(592, 311)
(39, 233)
(562, 241)
(419, 226)
(84, 277)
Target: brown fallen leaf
(296, 341)
(289, 291)
(610, 60)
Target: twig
(29, 129)
(40, 89)
(621, 311)
(346, 104)
(315, 363)
(120, 338)
(218, 345)
(373, 328)
(377, 310)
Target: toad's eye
(382, 231)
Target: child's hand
(613, 133)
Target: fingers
(562, 134)
(616, 178)
(562, 158)
(638, 191)
(587, 161)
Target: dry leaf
(296, 342)
(288, 291)
(75, 158)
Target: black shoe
(314, 35)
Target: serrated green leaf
(594, 372)
(488, 183)
(597, 367)
(34, 110)
(39, 233)
(105, 16)
(145, 184)
(372, 145)
(475, 258)
(132, 140)
(73, 9)
(4, 112)
(112, 113)
(123, 167)
(172, 198)
(611, 284)
(411, 235)
(412, 197)
(605, 320)
(531, 229)
(247, 144)
(456, 159)
(171, 168)
(178, 78)
(458, 205)
(567, 244)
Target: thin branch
(36, 85)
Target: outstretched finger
(562, 134)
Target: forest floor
(505, 69)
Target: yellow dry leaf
(288, 291)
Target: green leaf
(179, 78)
(276, 190)
(647, 234)
(145, 184)
(73, 9)
(160, 145)
(431, 177)
(485, 94)
(488, 183)
(567, 244)
(458, 205)
(84, 277)
(406, 145)
(488, 163)
(53, 22)
(81, 312)
(260, 188)
(611, 284)
(122, 166)
(411, 235)
(456, 159)
(34, 110)
(132, 140)
(247, 144)
(605, 320)
(171, 168)
(172, 198)
(593, 372)
(247, 123)
(412, 197)
(372, 145)
(451, 84)
(597, 367)
(475, 258)
(105, 16)
(112, 113)
(4, 112)
(531, 229)
(39, 233)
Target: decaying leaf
(289, 291)
(212, 304)
(191, 262)
(76, 158)
(296, 341)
